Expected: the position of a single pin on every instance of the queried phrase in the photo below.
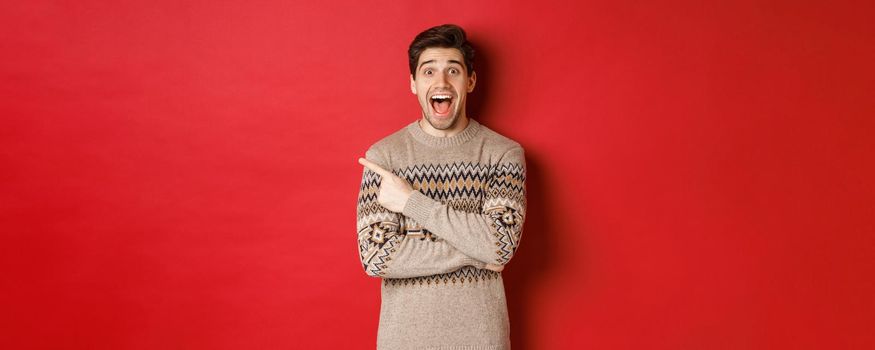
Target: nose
(441, 80)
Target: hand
(493, 267)
(394, 191)
(485, 266)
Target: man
(441, 209)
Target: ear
(412, 85)
(472, 80)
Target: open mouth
(440, 103)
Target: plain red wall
(184, 175)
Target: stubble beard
(442, 126)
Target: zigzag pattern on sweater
(466, 274)
(458, 180)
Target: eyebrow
(433, 61)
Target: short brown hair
(444, 36)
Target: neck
(460, 125)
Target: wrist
(406, 200)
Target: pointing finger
(374, 167)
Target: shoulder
(503, 147)
(382, 150)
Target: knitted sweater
(467, 210)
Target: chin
(442, 124)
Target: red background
(184, 175)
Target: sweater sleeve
(387, 250)
(492, 235)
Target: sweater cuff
(418, 207)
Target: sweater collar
(420, 135)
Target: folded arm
(492, 235)
(385, 248)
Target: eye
(454, 71)
(427, 72)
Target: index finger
(374, 167)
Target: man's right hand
(394, 191)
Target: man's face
(442, 84)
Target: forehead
(440, 55)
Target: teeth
(440, 97)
